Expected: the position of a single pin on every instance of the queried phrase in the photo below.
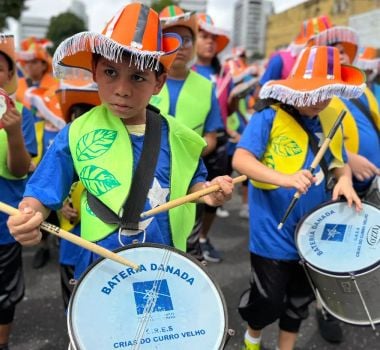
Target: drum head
(170, 303)
(337, 239)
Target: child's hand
(11, 121)
(301, 180)
(69, 212)
(361, 167)
(25, 227)
(344, 188)
(218, 198)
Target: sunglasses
(187, 42)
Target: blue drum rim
(151, 245)
(327, 272)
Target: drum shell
(340, 297)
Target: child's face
(186, 51)
(125, 89)
(35, 69)
(5, 72)
(206, 45)
(313, 110)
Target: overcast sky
(100, 11)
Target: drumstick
(55, 230)
(188, 198)
(314, 164)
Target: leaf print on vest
(269, 161)
(95, 143)
(97, 180)
(88, 209)
(285, 147)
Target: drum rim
(306, 262)
(72, 337)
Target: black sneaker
(209, 252)
(329, 328)
(41, 257)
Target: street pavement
(40, 322)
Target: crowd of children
(159, 97)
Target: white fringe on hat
(337, 34)
(365, 64)
(308, 98)
(106, 47)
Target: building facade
(283, 27)
(194, 5)
(250, 19)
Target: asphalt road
(41, 323)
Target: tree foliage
(159, 5)
(63, 26)
(10, 8)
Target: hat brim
(77, 51)
(222, 39)
(70, 97)
(187, 20)
(23, 57)
(301, 92)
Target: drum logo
(334, 232)
(373, 235)
(152, 296)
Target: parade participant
(130, 65)
(362, 123)
(37, 66)
(76, 96)
(17, 144)
(369, 61)
(282, 61)
(199, 111)
(48, 122)
(274, 151)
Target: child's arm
(217, 198)
(18, 157)
(210, 138)
(344, 187)
(361, 167)
(25, 227)
(246, 163)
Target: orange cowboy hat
(174, 16)
(35, 48)
(368, 59)
(309, 28)
(46, 102)
(317, 76)
(7, 47)
(134, 29)
(206, 24)
(76, 91)
(345, 36)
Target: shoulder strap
(366, 111)
(142, 179)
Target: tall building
(250, 19)
(78, 8)
(194, 5)
(32, 26)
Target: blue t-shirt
(268, 206)
(53, 178)
(206, 71)
(369, 140)
(12, 190)
(70, 252)
(213, 120)
(273, 70)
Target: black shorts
(12, 285)
(279, 290)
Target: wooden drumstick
(55, 230)
(188, 198)
(314, 164)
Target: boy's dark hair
(126, 56)
(9, 61)
(78, 109)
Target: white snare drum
(341, 251)
(170, 303)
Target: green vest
(193, 103)
(4, 171)
(98, 140)
(288, 144)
